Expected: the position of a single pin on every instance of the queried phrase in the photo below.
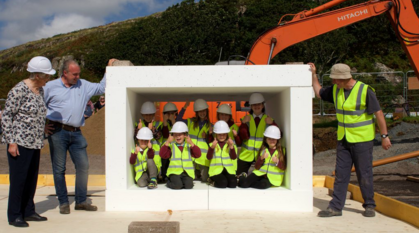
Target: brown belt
(65, 127)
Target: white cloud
(28, 20)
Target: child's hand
(264, 155)
(140, 125)
(186, 104)
(214, 143)
(149, 145)
(189, 141)
(234, 132)
(137, 148)
(275, 159)
(230, 143)
(269, 120)
(169, 140)
(150, 125)
(204, 135)
(246, 119)
(211, 129)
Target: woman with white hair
(23, 124)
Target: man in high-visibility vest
(356, 104)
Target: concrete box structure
(288, 94)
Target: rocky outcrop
(389, 74)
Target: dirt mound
(324, 139)
(94, 132)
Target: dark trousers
(360, 155)
(254, 181)
(243, 166)
(180, 181)
(23, 170)
(224, 180)
(164, 166)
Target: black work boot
(369, 212)
(329, 212)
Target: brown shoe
(65, 208)
(85, 206)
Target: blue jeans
(76, 144)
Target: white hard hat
(256, 98)
(199, 105)
(148, 108)
(40, 64)
(272, 132)
(179, 127)
(145, 134)
(224, 108)
(221, 127)
(170, 107)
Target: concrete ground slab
(199, 220)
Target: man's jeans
(76, 144)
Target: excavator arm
(308, 24)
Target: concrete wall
(288, 94)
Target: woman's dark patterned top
(24, 117)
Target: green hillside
(192, 33)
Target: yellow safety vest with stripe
(141, 163)
(196, 136)
(250, 147)
(275, 174)
(231, 135)
(157, 125)
(181, 161)
(221, 159)
(354, 123)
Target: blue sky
(22, 21)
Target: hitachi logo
(352, 15)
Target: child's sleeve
(244, 132)
(133, 157)
(210, 153)
(150, 153)
(165, 152)
(195, 151)
(259, 162)
(233, 154)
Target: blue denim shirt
(67, 104)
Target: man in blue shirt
(66, 99)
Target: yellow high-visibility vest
(181, 161)
(196, 136)
(275, 174)
(251, 146)
(354, 123)
(221, 159)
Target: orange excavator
(309, 24)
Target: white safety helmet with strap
(224, 108)
(170, 107)
(256, 98)
(148, 108)
(221, 127)
(179, 127)
(40, 64)
(145, 134)
(199, 105)
(272, 132)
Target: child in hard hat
(146, 162)
(148, 112)
(251, 132)
(221, 154)
(270, 163)
(170, 113)
(180, 149)
(198, 131)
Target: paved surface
(199, 221)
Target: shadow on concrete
(323, 204)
